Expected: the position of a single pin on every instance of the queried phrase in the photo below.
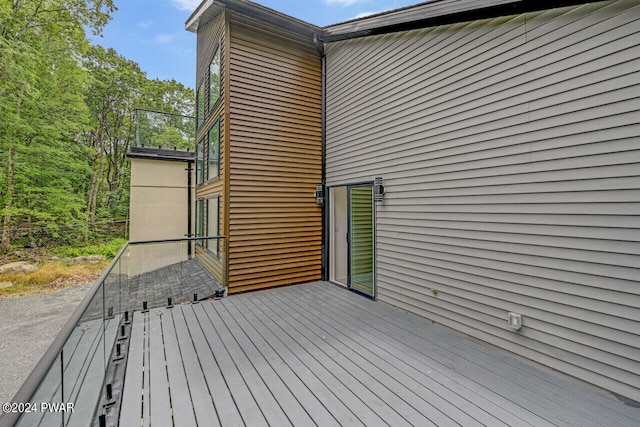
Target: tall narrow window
(213, 158)
(213, 223)
(199, 220)
(200, 162)
(214, 79)
(200, 102)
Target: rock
(88, 259)
(17, 267)
(5, 285)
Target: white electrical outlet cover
(515, 321)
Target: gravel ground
(28, 325)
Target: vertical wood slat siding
(510, 153)
(213, 36)
(275, 225)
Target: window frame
(216, 126)
(200, 106)
(200, 223)
(200, 175)
(217, 58)
(214, 248)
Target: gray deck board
(201, 400)
(276, 355)
(434, 377)
(390, 371)
(245, 401)
(376, 395)
(317, 354)
(181, 398)
(238, 347)
(131, 409)
(337, 379)
(317, 398)
(533, 408)
(225, 405)
(146, 378)
(283, 397)
(158, 381)
(555, 400)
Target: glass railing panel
(156, 272)
(50, 390)
(164, 130)
(210, 255)
(84, 366)
(113, 329)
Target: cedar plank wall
(510, 152)
(275, 225)
(209, 36)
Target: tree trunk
(94, 189)
(11, 183)
(98, 170)
(6, 220)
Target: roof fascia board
(423, 15)
(208, 9)
(442, 12)
(149, 153)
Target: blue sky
(151, 32)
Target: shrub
(109, 249)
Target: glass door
(361, 239)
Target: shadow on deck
(179, 281)
(169, 282)
(317, 354)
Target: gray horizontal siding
(510, 151)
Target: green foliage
(109, 249)
(42, 108)
(67, 119)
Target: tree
(67, 115)
(111, 97)
(117, 87)
(175, 129)
(41, 107)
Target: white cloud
(365, 14)
(343, 2)
(145, 24)
(189, 5)
(164, 38)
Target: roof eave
(434, 13)
(149, 153)
(209, 9)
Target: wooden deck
(317, 354)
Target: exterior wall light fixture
(378, 190)
(319, 194)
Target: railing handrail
(30, 385)
(145, 242)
